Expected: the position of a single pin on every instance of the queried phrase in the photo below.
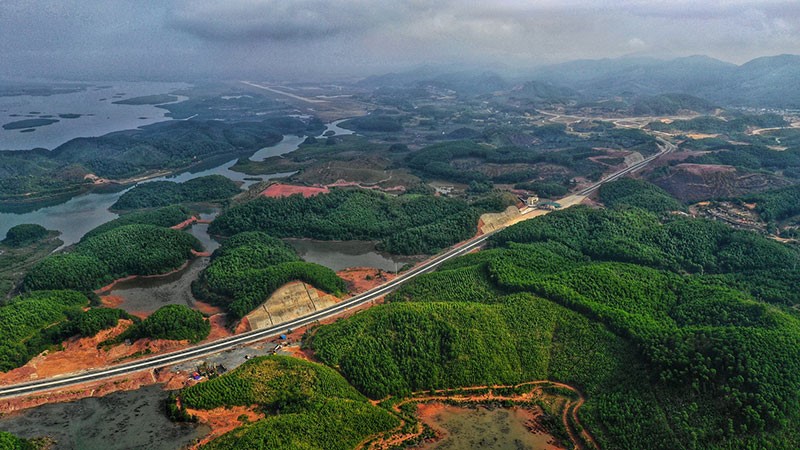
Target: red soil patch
(82, 353)
(223, 420)
(185, 223)
(190, 221)
(113, 284)
(428, 410)
(141, 314)
(588, 201)
(357, 278)
(243, 326)
(285, 190)
(72, 393)
(207, 308)
(218, 328)
(111, 301)
(300, 353)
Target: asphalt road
(665, 147)
(258, 335)
(244, 338)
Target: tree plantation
(677, 331)
(308, 405)
(250, 266)
(409, 224)
(163, 193)
(33, 322)
(172, 322)
(127, 250)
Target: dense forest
(250, 266)
(777, 205)
(544, 189)
(465, 161)
(24, 234)
(638, 194)
(317, 407)
(164, 193)
(677, 331)
(163, 217)
(171, 145)
(10, 442)
(411, 224)
(172, 322)
(31, 323)
(134, 249)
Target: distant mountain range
(770, 81)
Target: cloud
(284, 20)
(238, 38)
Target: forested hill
(408, 224)
(315, 406)
(135, 249)
(680, 333)
(250, 266)
(173, 145)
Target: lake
(338, 255)
(80, 214)
(145, 295)
(98, 115)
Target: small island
(29, 123)
(148, 100)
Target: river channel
(82, 213)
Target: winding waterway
(135, 419)
(82, 213)
(338, 255)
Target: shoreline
(110, 287)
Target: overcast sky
(186, 39)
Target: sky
(318, 39)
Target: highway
(665, 147)
(220, 345)
(244, 338)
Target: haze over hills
(763, 82)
